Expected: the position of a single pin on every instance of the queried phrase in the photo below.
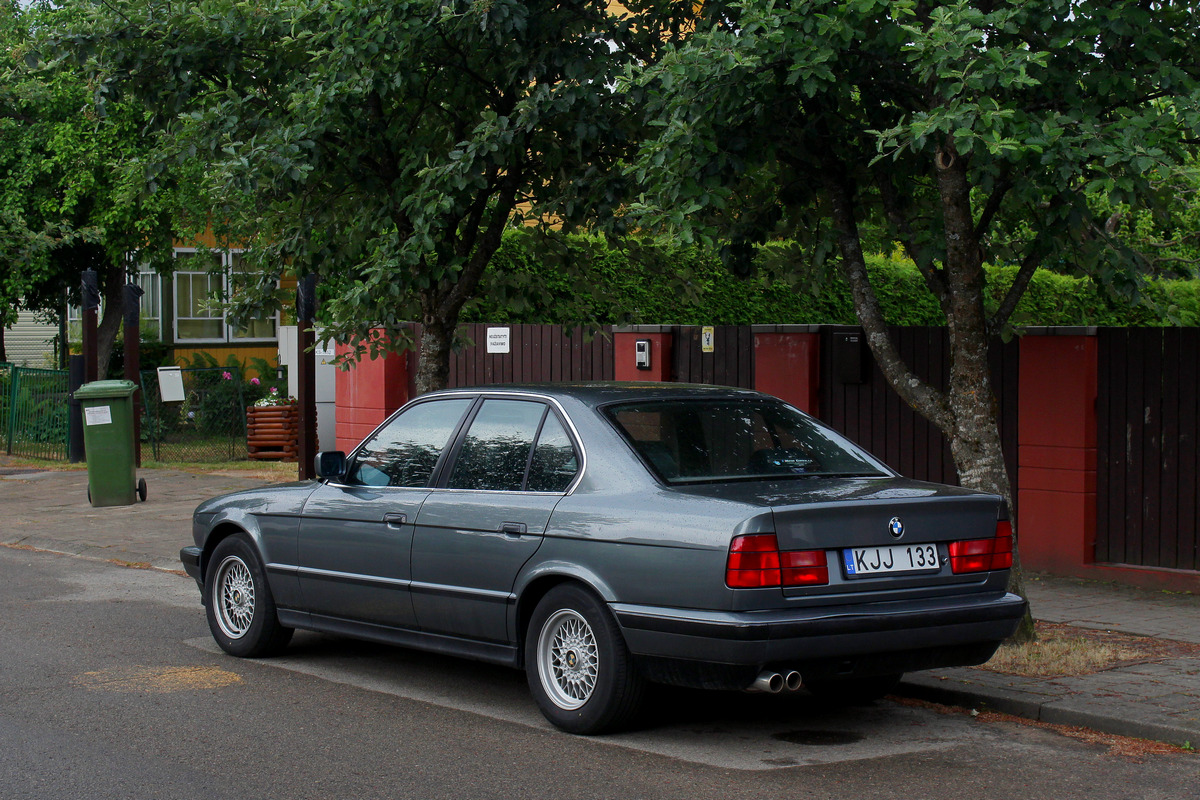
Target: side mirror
(330, 464)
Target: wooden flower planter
(273, 432)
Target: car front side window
(405, 451)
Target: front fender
(270, 517)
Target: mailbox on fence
(108, 443)
(851, 358)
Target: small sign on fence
(170, 384)
(498, 340)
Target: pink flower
(254, 381)
(226, 376)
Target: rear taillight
(983, 555)
(755, 562)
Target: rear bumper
(957, 627)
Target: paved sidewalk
(49, 510)
(1157, 700)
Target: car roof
(598, 393)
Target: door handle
(513, 528)
(395, 520)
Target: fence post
(12, 409)
(133, 351)
(91, 301)
(306, 378)
(1057, 449)
(656, 339)
(75, 379)
(787, 364)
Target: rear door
(488, 515)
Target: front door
(356, 534)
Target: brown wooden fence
(731, 362)
(860, 404)
(1148, 464)
(537, 353)
(864, 408)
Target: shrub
(643, 284)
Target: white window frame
(154, 291)
(228, 331)
(75, 313)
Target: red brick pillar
(1057, 452)
(787, 361)
(367, 393)
(625, 350)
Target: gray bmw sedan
(608, 536)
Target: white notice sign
(498, 340)
(97, 415)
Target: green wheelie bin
(108, 443)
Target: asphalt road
(110, 687)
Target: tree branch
(1029, 265)
(993, 205)
(487, 245)
(919, 394)
(934, 280)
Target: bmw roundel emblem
(896, 527)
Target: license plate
(897, 558)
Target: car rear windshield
(695, 441)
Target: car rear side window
(495, 452)
(688, 441)
(405, 451)
(554, 463)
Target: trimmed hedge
(686, 286)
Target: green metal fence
(35, 410)
(6, 370)
(209, 426)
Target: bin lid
(98, 390)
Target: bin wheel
(141, 489)
(89, 495)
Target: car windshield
(694, 441)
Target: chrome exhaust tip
(792, 681)
(767, 681)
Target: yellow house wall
(244, 352)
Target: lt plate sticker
(97, 415)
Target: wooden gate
(1148, 472)
(857, 400)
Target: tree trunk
(966, 414)
(433, 365)
(110, 322)
(975, 443)
(974, 432)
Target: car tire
(579, 670)
(854, 691)
(240, 608)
